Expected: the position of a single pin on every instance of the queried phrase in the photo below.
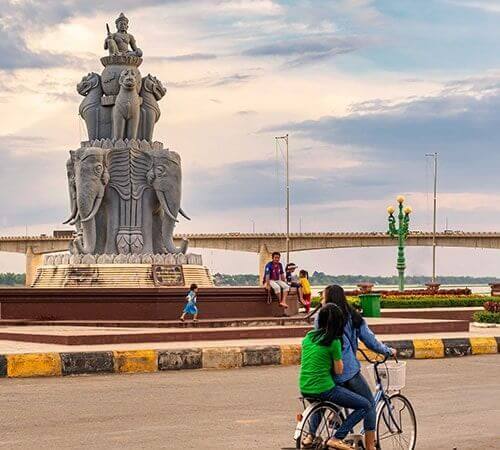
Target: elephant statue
(87, 179)
(152, 91)
(164, 177)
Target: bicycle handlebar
(376, 362)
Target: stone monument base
(133, 304)
(131, 271)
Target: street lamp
(401, 233)
(253, 225)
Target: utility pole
(435, 157)
(287, 189)
(253, 225)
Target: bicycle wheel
(319, 426)
(396, 424)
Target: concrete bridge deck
(264, 243)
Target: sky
(364, 88)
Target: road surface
(457, 402)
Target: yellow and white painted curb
(144, 361)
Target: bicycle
(396, 425)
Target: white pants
(278, 285)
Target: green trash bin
(370, 304)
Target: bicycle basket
(392, 375)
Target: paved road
(457, 403)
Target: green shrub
(432, 302)
(487, 317)
(354, 301)
(439, 301)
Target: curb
(146, 361)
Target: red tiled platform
(132, 303)
(74, 335)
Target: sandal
(283, 305)
(308, 441)
(337, 444)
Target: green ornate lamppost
(401, 233)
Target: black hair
(336, 295)
(331, 322)
(273, 254)
(193, 287)
(290, 265)
(304, 273)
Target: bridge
(261, 243)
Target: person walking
(274, 278)
(191, 307)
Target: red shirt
(274, 270)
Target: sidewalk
(22, 359)
(11, 347)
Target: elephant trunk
(167, 232)
(168, 223)
(88, 206)
(89, 237)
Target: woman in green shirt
(322, 349)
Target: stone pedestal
(102, 271)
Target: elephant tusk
(76, 219)
(73, 213)
(97, 204)
(164, 203)
(182, 213)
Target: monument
(124, 187)
(125, 200)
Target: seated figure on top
(118, 43)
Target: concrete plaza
(456, 401)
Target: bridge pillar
(33, 260)
(264, 258)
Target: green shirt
(316, 365)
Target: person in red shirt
(274, 278)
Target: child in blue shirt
(191, 307)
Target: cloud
(216, 80)
(483, 5)
(32, 182)
(18, 16)
(460, 123)
(245, 113)
(184, 58)
(305, 50)
(234, 186)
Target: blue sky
(364, 88)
